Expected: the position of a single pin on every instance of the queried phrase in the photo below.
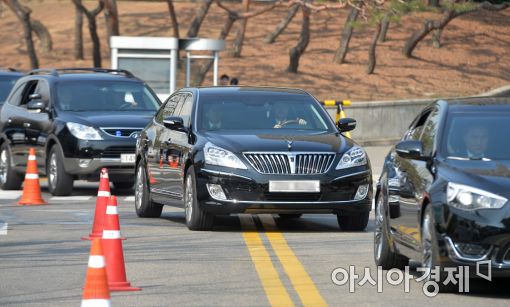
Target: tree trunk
(384, 29)
(78, 33)
(296, 52)
(199, 18)
(91, 19)
(271, 37)
(173, 18)
(345, 39)
(372, 59)
(427, 27)
(23, 14)
(111, 17)
(237, 45)
(436, 38)
(434, 3)
(43, 34)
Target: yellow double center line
(275, 291)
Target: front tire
(355, 222)
(60, 183)
(9, 179)
(144, 205)
(196, 218)
(383, 254)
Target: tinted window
(6, 84)
(15, 98)
(477, 136)
(429, 132)
(168, 108)
(261, 110)
(416, 128)
(186, 110)
(78, 95)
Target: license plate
(312, 186)
(127, 158)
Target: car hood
(109, 119)
(261, 141)
(491, 176)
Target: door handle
(26, 125)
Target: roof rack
(9, 69)
(55, 72)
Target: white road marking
(10, 194)
(70, 198)
(3, 229)
(129, 198)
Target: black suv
(79, 120)
(7, 79)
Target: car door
(157, 134)
(412, 174)
(37, 123)
(176, 146)
(15, 115)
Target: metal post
(173, 69)
(188, 67)
(115, 63)
(215, 81)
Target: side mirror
(346, 124)
(411, 150)
(35, 97)
(174, 123)
(36, 105)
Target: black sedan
(443, 193)
(226, 150)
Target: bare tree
(449, 13)
(173, 18)
(43, 34)
(371, 51)
(237, 45)
(111, 16)
(304, 38)
(78, 33)
(271, 37)
(23, 14)
(346, 36)
(195, 25)
(91, 19)
(385, 24)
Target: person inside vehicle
(214, 117)
(281, 116)
(65, 98)
(224, 80)
(476, 139)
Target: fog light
(216, 191)
(471, 249)
(84, 162)
(362, 192)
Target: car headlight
(215, 155)
(355, 156)
(466, 197)
(83, 132)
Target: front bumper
(470, 237)
(89, 169)
(248, 192)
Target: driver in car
(281, 114)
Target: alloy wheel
(189, 198)
(52, 174)
(139, 187)
(4, 166)
(427, 244)
(378, 232)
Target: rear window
(79, 95)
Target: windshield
(261, 110)
(79, 96)
(477, 136)
(6, 84)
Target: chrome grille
(290, 163)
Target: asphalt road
(246, 261)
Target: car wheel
(383, 254)
(9, 179)
(123, 185)
(60, 183)
(356, 222)
(431, 253)
(144, 206)
(287, 216)
(196, 218)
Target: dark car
(442, 197)
(79, 121)
(7, 79)
(230, 150)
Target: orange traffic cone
(174, 162)
(152, 180)
(95, 292)
(102, 199)
(160, 162)
(31, 188)
(112, 246)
